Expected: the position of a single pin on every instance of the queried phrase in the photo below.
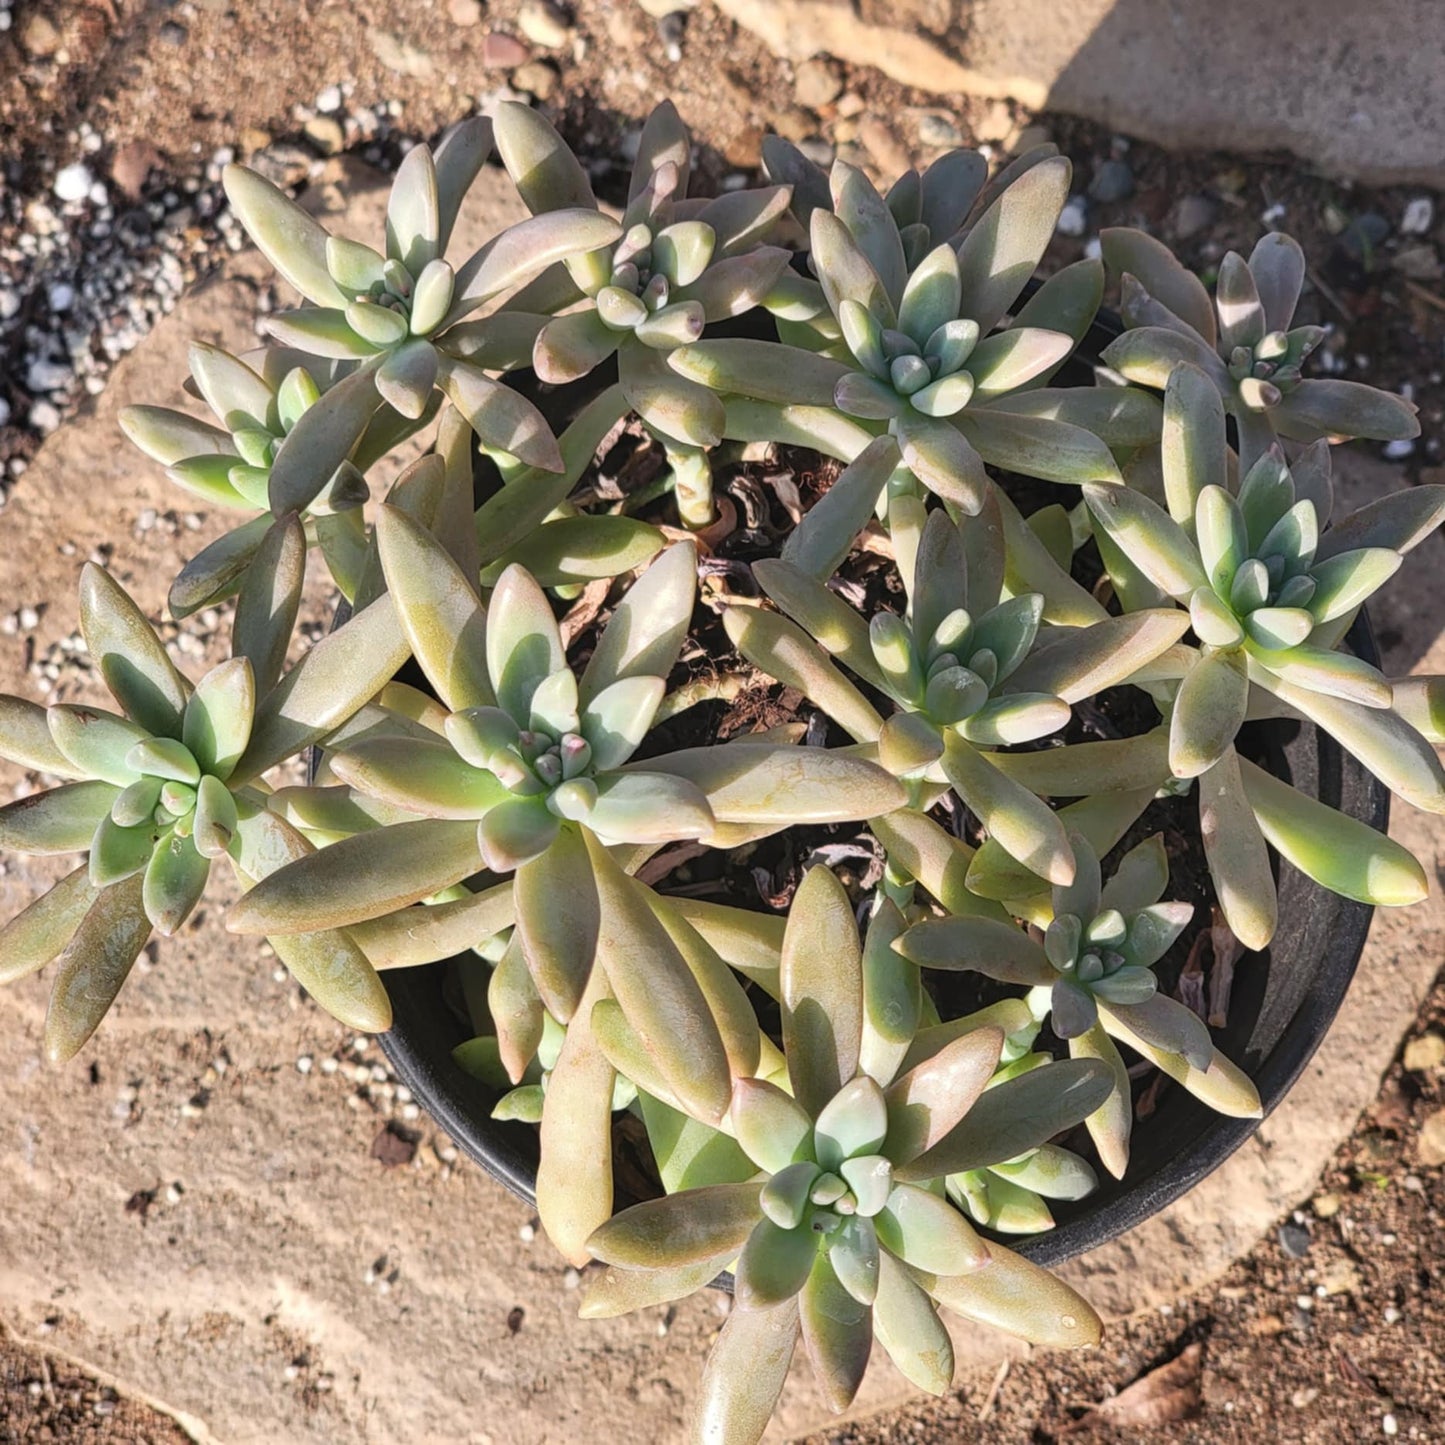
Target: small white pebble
(1389, 1425)
(1419, 216)
(1273, 213)
(1305, 1301)
(44, 417)
(173, 1194)
(571, 1279)
(1398, 450)
(328, 1066)
(1093, 248)
(278, 975)
(527, 1233)
(290, 1372)
(73, 182)
(378, 1073)
(360, 1073)
(358, 1044)
(403, 1094)
(329, 100)
(410, 1112)
(1074, 217)
(29, 619)
(1392, 1316)
(34, 1388)
(303, 1064)
(1387, 1239)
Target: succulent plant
(1251, 353)
(817, 1124)
(1270, 588)
(530, 766)
(967, 669)
(678, 265)
(840, 1234)
(394, 314)
(1091, 976)
(153, 796)
(258, 399)
(914, 361)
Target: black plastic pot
(1284, 1001)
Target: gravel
(94, 251)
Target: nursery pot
(1283, 1002)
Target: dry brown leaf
(1165, 1396)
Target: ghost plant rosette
(506, 785)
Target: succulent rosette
(840, 1233)
(1090, 975)
(392, 313)
(903, 348)
(528, 769)
(153, 795)
(678, 265)
(967, 669)
(1244, 341)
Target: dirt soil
(1334, 1326)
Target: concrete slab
(1354, 90)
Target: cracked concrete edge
(1247, 80)
(194, 1427)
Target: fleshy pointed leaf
(744, 1375)
(1026, 827)
(1016, 1116)
(132, 660)
(821, 980)
(1234, 848)
(944, 460)
(58, 820)
(527, 248)
(94, 965)
(837, 1334)
(332, 680)
(560, 943)
(367, 876)
(438, 609)
(1327, 407)
(288, 238)
(41, 931)
(658, 992)
(1010, 1293)
(320, 441)
(502, 418)
(1338, 852)
(574, 1175)
(762, 783)
(827, 532)
(785, 652)
(929, 1100)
